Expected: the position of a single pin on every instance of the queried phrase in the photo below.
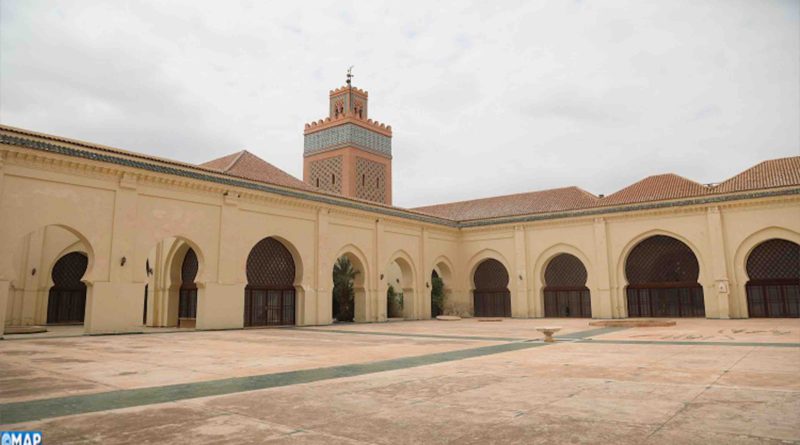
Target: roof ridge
(235, 160)
(586, 192)
(687, 179)
(506, 196)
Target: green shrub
(437, 296)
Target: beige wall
(52, 203)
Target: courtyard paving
(701, 381)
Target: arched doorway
(491, 297)
(269, 297)
(67, 298)
(344, 275)
(773, 289)
(400, 295)
(348, 295)
(565, 291)
(441, 280)
(662, 277)
(187, 300)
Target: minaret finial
(349, 74)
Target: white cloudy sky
(485, 98)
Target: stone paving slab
(753, 330)
(576, 391)
(42, 368)
(507, 327)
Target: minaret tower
(348, 153)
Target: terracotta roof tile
(554, 200)
(656, 188)
(768, 174)
(249, 166)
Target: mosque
(118, 241)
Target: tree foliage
(394, 303)
(437, 295)
(344, 275)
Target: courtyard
(469, 381)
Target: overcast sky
(485, 98)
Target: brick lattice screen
(323, 173)
(370, 180)
(565, 270)
(775, 259)
(270, 265)
(661, 259)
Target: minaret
(348, 153)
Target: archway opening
(565, 291)
(187, 301)
(441, 279)
(170, 284)
(48, 277)
(66, 302)
(400, 296)
(662, 275)
(270, 296)
(491, 297)
(348, 288)
(773, 289)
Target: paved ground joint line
(578, 335)
(410, 335)
(686, 404)
(688, 343)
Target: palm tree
(343, 293)
(437, 295)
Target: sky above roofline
(483, 99)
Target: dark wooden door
(662, 274)
(187, 296)
(269, 307)
(492, 303)
(565, 292)
(666, 301)
(269, 298)
(567, 302)
(491, 297)
(774, 287)
(187, 303)
(773, 299)
(66, 301)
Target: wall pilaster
(607, 302)
(424, 277)
(220, 304)
(116, 305)
(719, 269)
(519, 276)
(324, 301)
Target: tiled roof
(776, 173)
(768, 174)
(554, 200)
(655, 188)
(783, 172)
(249, 166)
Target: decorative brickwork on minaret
(348, 153)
